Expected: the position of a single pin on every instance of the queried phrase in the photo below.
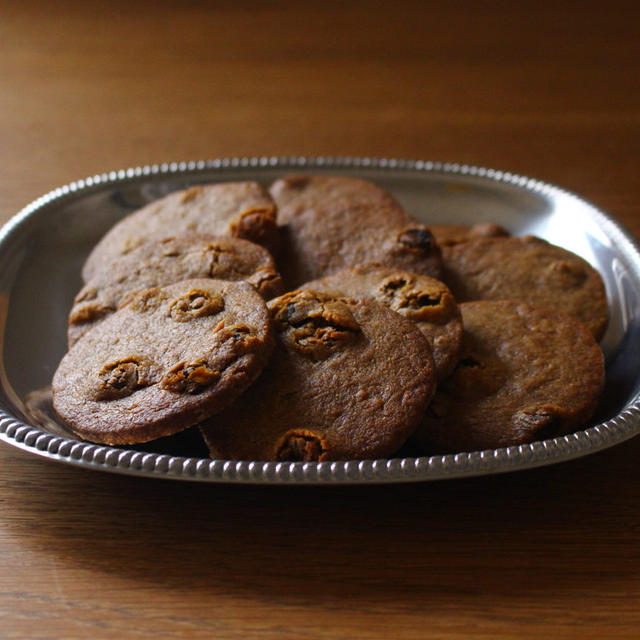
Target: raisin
(418, 238)
(314, 326)
(399, 294)
(418, 301)
(89, 313)
(191, 378)
(240, 335)
(256, 224)
(195, 304)
(538, 423)
(393, 285)
(121, 378)
(318, 335)
(301, 446)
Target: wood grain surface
(546, 89)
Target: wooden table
(551, 92)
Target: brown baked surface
(422, 299)
(238, 209)
(329, 222)
(348, 379)
(161, 262)
(525, 374)
(169, 358)
(528, 269)
(447, 235)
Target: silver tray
(43, 247)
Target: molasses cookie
(423, 300)
(525, 374)
(239, 209)
(527, 269)
(167, 359)
(329, 223)
(348, 379)
(447, 235)
(161, 262)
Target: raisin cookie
(423, 300)
(161, 262)
(166, 360)
(526, 374)
(348, 379)
(239, 209)
(528, 269)
(329, 223)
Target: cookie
(421, 299)
(167, 359)
(161, 262)
(525, 374)
(348, 379)
(328, 223)
(238, 209)
(528, 269)
(447, 235)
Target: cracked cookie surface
(525, 374)
(331, 222)
(423, 300)
(528, 269)
(238, 209)
(348, 379)
(158, 263)
(168, 358)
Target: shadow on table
(541, 531)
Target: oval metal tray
(43, 247)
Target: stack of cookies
(319, 321)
